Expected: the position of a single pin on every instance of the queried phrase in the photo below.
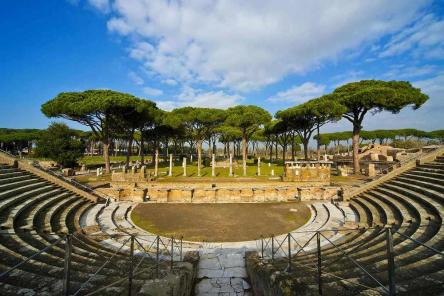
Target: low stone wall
(307, 171)
(219, 194)
(317, 193)
(265, 280)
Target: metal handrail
(8, 153)
(30, 258)
(357, 264)
(421, 243)
(101, 267)
(67, 180)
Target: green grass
(94, 161)
(97, 160)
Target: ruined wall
(301, 171)
(178, 283)
(215, 194)
(267, 281)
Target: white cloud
(102, 5)
(169, 81)
(434, 87)
(200, 98)
(245, 45)
(135, 78)
(349, 76)
(425, 38)
(149, 91)
(403, 71)
(166, 105)
(299, 93)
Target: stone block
(371, 172)
(374, 157)
(68, 172)
(259, 195)
(246, 195)
(162, 195)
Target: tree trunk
(199, 156)
(284, 152)
(305, 142)
(129, 149)
(106, 156)
(355, 143)
(142, 152)
(318, 148)
(244, 154)
(276, 151)
(271, 151)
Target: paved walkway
(222, 272)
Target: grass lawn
(93, 179)
(220, 172)
(92, 161)
(221, 222)
(97, 160)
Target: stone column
(142, 172)
(272, 172)
(258, 166)
(184, 166)
(213, 165)
(231, 165)
(170, 172)
(156, 164)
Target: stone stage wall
(223, 194)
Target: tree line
(111, 115)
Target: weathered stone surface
(222, 272)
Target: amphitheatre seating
(35, 214)
(411, 204)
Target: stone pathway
(222, 272)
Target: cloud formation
(150, 91)
(425, 38)
(245, 45)
(201, 98)
(299, 93)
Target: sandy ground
(221, 222)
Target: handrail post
(181, 246)
(289, 252)
(131, 269)
(172, 253)
(67, 265)
(157, 256)
(391, 262)
(272, 248)
(262, 247)
(318, 239)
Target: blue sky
(274, 54)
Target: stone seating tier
(33, 214)
(411, 206)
